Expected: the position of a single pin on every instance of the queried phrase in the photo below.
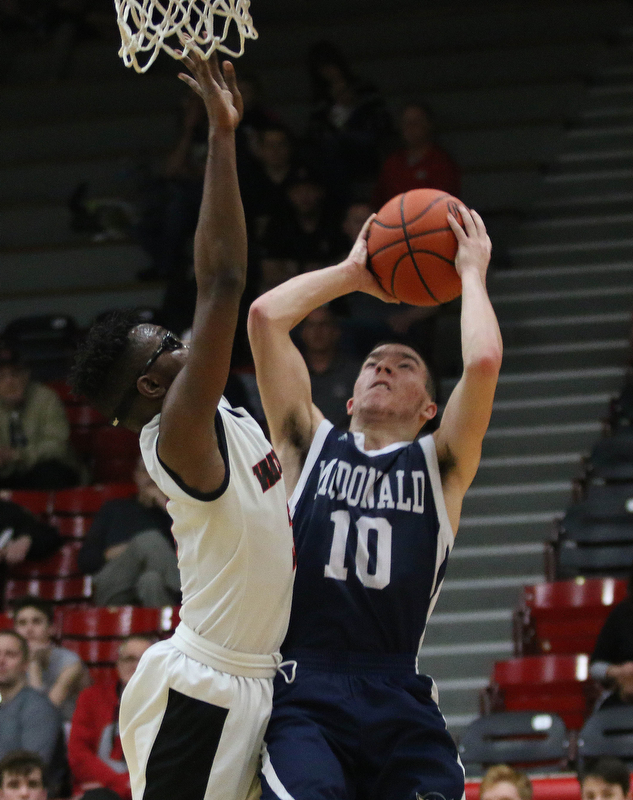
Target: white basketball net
(145, 25)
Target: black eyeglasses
(168, 344)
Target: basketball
(411, 248)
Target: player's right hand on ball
(357, 261)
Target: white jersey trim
(272, 779)
(445, 535)
(313, 453)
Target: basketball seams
(411, 253)
(424, 211)
(411, 238)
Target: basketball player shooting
(193, 716)
(375, 512)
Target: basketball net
(145, 25)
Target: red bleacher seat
(94, 651)
(6, 622)
(89, 499)
(565, 617)
(62, 564)
(56, 590)
(75, 527)
(545, 683)
(34, 501)
(110, 622)
(84, 422)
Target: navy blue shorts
(354, 727)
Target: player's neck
(381, 434)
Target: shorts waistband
(247, 665)
(352, 663)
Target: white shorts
(190, 731)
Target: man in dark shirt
(612, 658)
(130, 552)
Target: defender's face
(392, 382)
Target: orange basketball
(411, 248)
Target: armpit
(295, 437)
(446, 462)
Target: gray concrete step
(84, 306)
(572, 301)
(468, 626)
(83, 266)
(574, 252)
(36, 226)
(516, 498)
(566, 329)
(567, 355)
(499, 560)
(490, 529)
(527, 280)
(532, 468)
(565, 408)
(528, 439)
(546, 383)
(581, 228)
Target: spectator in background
(23, 538)
(169, 212)
(22, 776)
(332, 373)
(34, 432)
(302, 237)
(606, 779)
(419, 163)
(94, 748)
(28, 719)
(504, 783)
(130, 551)
(350, 128)
(612, 658)
(56, 671)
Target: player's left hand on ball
(357, 260)
(474, 245)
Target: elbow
(487, 364)
(260, 317)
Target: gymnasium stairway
(565, 312)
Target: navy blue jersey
(372, 537)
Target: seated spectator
(129, 549)
(504, 783)
(332, 372)
(28, 719)
(94, 748)
(171, 201)
(612, 657)
(34, 432)
(56, 671)
(419, 163)
(350, 128)
(22, 776)
(302, 237)
(606, 779)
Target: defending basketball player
(194, 714)
(375, 512)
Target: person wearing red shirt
(94, 748)
(419, 164)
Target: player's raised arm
(467, 413)
(282, 375)
(187, 442)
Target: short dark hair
(104, 366)
(24, 645)
(21, 762)
(431, 386)
(610, 770)
(43, 606)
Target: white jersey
(235, 548)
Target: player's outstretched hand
(357, 263)
(217, 87)
(474, 245)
